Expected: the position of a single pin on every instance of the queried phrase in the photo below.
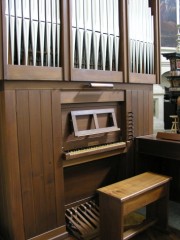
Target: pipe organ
(76, 83)
(95, 28)
(33, 32)
(141, 36)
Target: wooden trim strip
(96, 75)
(142, 78)
(57, 233)
(16, 72)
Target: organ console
(75, 90)
(93, 150)
(92, 133)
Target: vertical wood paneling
(129, 101)
(135, 110)
(12, 167)
(140, 119)
(128, 107)
(37, 160)
(57, 144)
(38, 114)
(24, 134)
(5, 215)
(48, 163)
(142, 108)
(129, 161)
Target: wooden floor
(152, 234)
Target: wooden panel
(96, 75)
(25, 162)
(20, 72)
(38, 161)
(57, 144)
(135, 110)
(4, 216)
(124, 56)
(129, 113)
(142, 78)
(48, 161)
(161, 148)
(155, 6)
(66, 44)
(129, 157)
(142, 107)
(129, 101)
(91, 96)
(151, 233)
(164, 159)
(55, 234)
(11, 168)
(89, 176)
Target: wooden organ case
(93, 140)
(74, 92)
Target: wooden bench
(117, 200)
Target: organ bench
(117, 200)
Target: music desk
(161, 156)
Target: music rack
(95, 113)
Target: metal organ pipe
(18, 6)
(58, 21)
(103, 30)
(80, 30)
(7, 26)
(95, 31)
(33, 32)
(116, 22)
(34, 28)
(48, 32)
(12, 28)
(87, 31)
(41, 29)
(26, 27)
(141, 37)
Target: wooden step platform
(151, 233)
